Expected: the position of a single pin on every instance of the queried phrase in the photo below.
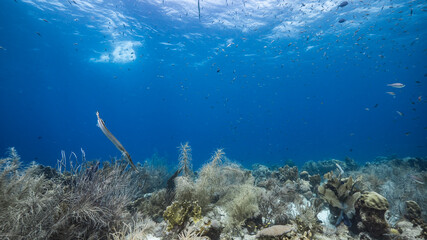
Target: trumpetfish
(114, 140)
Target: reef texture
(325, 166)
(83, 199)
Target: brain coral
(374, 200)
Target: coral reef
(325, 166)
(286, 173)
(398, 180)
(413, 214)
(85, 202)
(93, 200)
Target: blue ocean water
(268, 81)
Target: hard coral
(275, 232)
(369, 217)
(413, 212)
(287, 173)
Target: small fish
(391, 93)
(401, 114)
(342, 20)
(343, 4)
(396, 85)
(420, 98)
(2, 48)
(38, 34)
(45, 20)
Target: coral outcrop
(340, 194)
(286, 173)
(413, 212)
(369, 217)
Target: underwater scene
(213, 119)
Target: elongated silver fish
(396, 85)
(114, 140)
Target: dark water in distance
(265, 80)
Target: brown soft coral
(340, 193)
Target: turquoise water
(268, 81)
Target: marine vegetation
(85, 202)
(223, 185)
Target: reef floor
(329, 199)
